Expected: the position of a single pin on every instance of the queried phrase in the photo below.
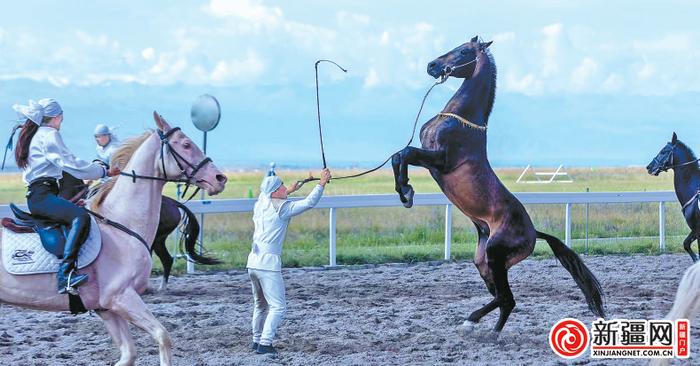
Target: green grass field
(376, 235)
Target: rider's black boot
(68, 278)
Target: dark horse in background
(454, 151)
(73, 189)
(686, 180)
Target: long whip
(445, 75)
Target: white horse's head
(183, 159)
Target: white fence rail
(333, 203)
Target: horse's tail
(190, 233)
(583, 276)
(687, 303)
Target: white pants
(269, 304)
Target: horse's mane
(687, 149)
(492, 96)
(120, 158)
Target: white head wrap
(102, 130)
(268, 186)
(106, 130)
(36, 111)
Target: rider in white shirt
(271, 215)
(43, 157)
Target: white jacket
(49, 157)
(271, 218)
(104, 153)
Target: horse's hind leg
(501, 255)
(118, 328)
(169, 220)
(430, 159)
(480, 256)
(687, 245)
(160, 249)
(131, 307)
(503, 297)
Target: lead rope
(446, 74)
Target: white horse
(687, 303)
(120, 273)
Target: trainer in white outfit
(271, 216)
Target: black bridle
(664, 167)
(179, 160)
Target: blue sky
(580, 83)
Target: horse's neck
(137, 204)
(471, 100)
(686, 178)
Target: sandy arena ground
(374, 315)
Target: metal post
(567, 226)
(662, 226)
(448, 232)
(587, 190)
(332, 237)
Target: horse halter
(448, 70)
(179, 160)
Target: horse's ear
(484, 45)
(161, 123)
(475, 39)
(674, 139)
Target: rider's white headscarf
(36, 111)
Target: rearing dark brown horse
(454, 151)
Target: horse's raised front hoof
(407, 197)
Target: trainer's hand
(325, 177)
(295, 187)
(113, 171)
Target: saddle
(52, 234)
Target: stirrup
(70, 289)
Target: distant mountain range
(363, 126)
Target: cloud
(668, 43)
(233, 42)
(558, 59)
(247, 10)
(345, 18)
(550, 49)
(148, 53)
(248, 68)
(372, 78)
(527, 84)
(613, 83)
(583, 73)
(503, 37)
